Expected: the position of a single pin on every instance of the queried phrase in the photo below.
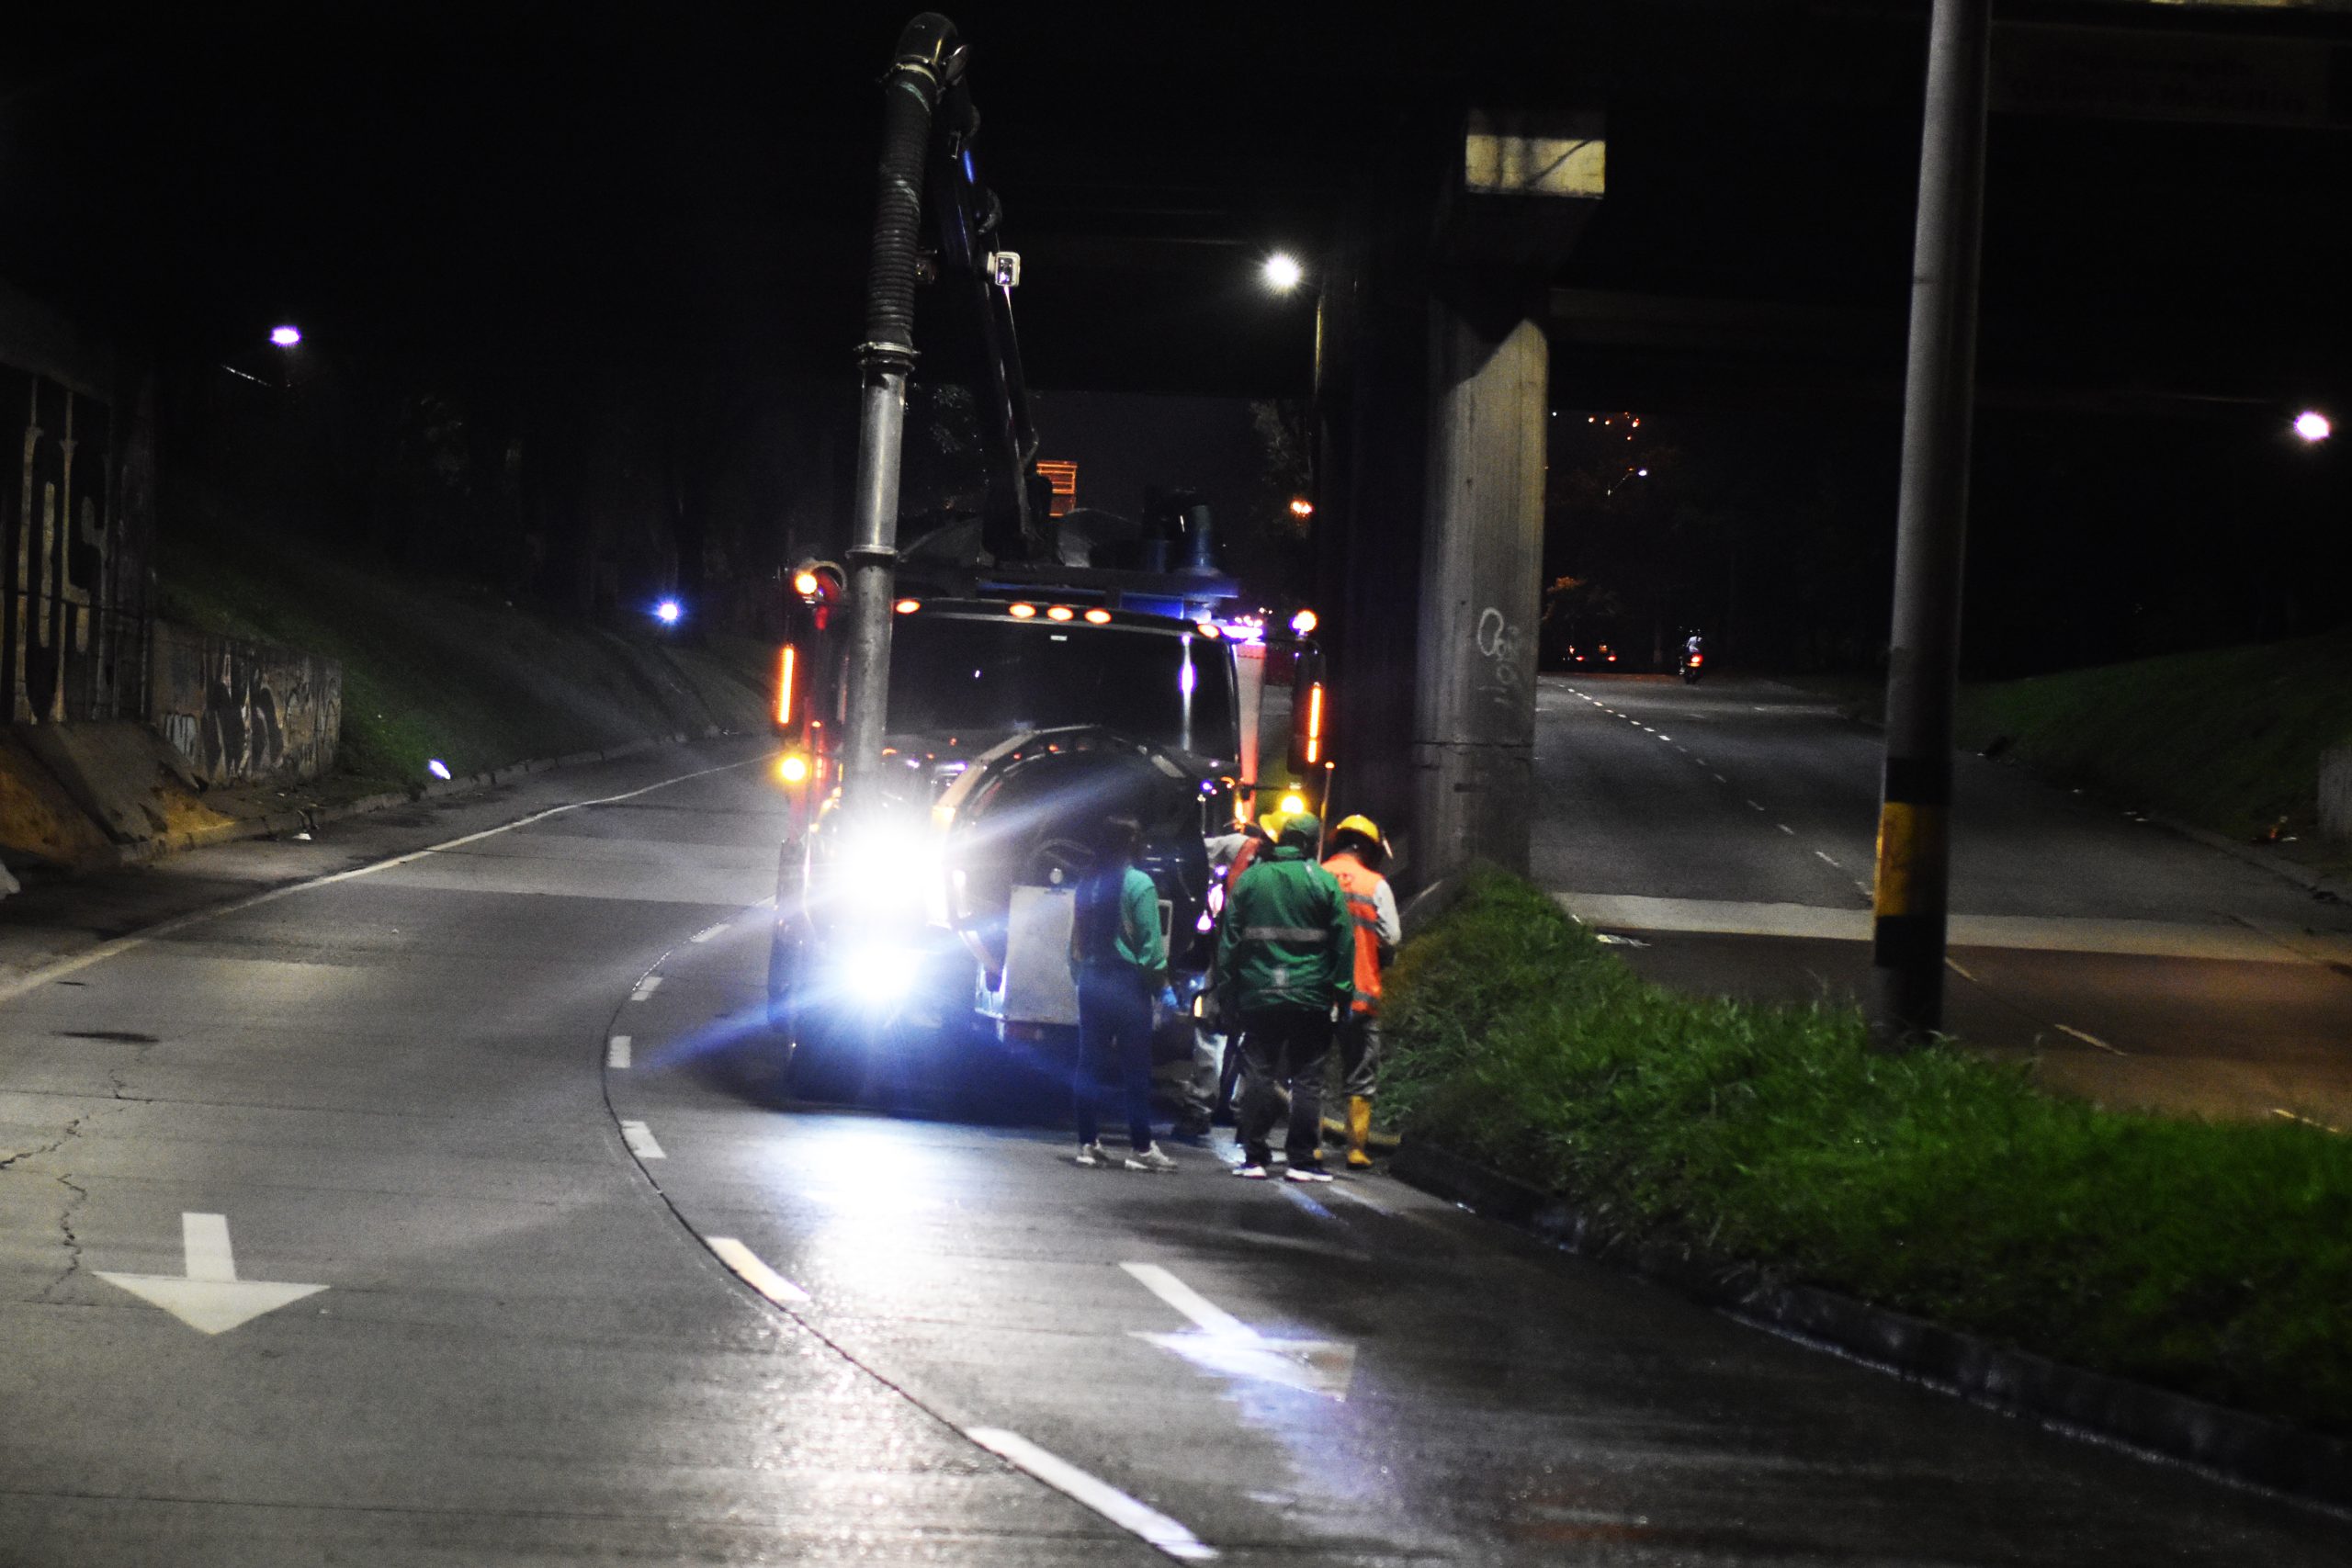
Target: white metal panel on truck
(1039, 985)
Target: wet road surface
(592, 1292)
(1728, 829)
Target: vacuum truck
(954, 731)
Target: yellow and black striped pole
(1910, 906)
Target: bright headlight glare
(877, 976)
(882, 865)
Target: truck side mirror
(1310, 712)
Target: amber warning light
(784, 670)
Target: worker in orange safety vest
(1357, 855)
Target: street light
(2314, 426)
(667, 612)
(1282, 272)
(286, 336)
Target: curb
(2229, 1443)
(298, 820)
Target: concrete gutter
(301, 819)
(2230, 1444)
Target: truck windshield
(951, 673)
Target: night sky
(537, 192)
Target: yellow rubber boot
(1358, 1129)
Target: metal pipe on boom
(929, 63)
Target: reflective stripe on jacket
(1372, 910)
(1286, 936)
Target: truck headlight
(878, 976)
(884, 866)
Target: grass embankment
(439, 670)
(2214, 1259)
(2229, 739)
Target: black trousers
(1284, 1047)
(1113, 1041)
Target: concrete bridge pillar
(1482, 543)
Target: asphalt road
(1727, 828)
(514, 1254)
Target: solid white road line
(2031, 933)
(639, 1139)
(49, 973)
(646, 987)
(718, 930)
(1188, 1301)
(1350, 1191)
(753, 1272)
(1956, 969)
(1139, 1519)
(616, 1052)
(2091, 1039)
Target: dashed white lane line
(718, 930)
(1956, 969)
(1825, 858)
(1719, 778)
(1784, 828)
(616, 1052)
(754, 1272)
(639, 1139)
(1205, 1315)
(2091, 1039)
(1138, 1518)
(1754, 805)
(2282, 1110)
(646, 987)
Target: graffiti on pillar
(1502, 679)
(241, 711)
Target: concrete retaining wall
(2336, 793)
(243, 711)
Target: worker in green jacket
(1285, 963)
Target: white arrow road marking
(1136, 1519)
(1220, 1342)
(639, 1139)
(209, 1299)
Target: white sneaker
(1152, 1160)
(1093, 1155)
(1252, 1172)
(1308, 1173)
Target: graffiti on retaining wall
(239, 711)
(71, 589)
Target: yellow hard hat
(1270, 824)
(1359, 824)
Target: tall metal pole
(930, 59)
(1911, 903)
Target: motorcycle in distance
(1695, 659)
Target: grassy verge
(2229, 739)
(437, 669)
(2215, 1259)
